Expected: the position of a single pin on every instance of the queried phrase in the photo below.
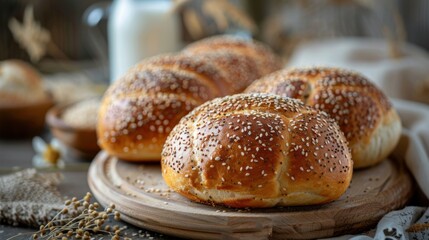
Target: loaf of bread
(140, 109)
(257, 150)
(265, 61)
(365, 115)
(20, 84)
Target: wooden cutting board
(144, 200)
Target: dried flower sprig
(81, 219)
(396, 37)
(33, 38)
(31, 35)
(223, 13)
(236, 15)
(418, 227)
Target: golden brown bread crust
(140, 109)
(240, 69)
(20, 84)
(365, 115)
(208, 73)
(266, 60)
(257, 150)
(31, 75)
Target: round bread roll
(20, 84)
(257, 150)
(365, 115)
(140, 109)
(266, 60)
(240, 70)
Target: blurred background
(87, 37)
(78, 40)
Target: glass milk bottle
(138, 29)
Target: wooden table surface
(18, 154)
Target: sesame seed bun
(139, 110)
(20, 84)
(266, 61)
(369, 122)
(257, 150)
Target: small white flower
(47, 154)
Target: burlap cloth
(29, 198)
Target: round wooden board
(140, 194)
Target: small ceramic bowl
(82, 140)
(23, 121)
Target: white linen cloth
(415, 122)
(406, 78)
(395, 225)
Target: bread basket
(23, 121)
(82, 141)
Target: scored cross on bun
(365, 115)
(257, 150)
(139, 110)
